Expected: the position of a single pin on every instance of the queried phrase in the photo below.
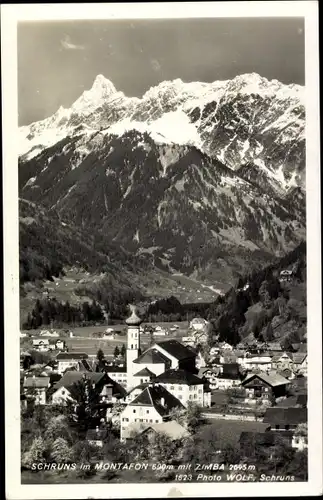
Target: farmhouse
(41, 345)
(285, 419)
(153, 405)
(172, 429)
(68, 360)
(64, 389)
(263, 387)
(198, 323)
(229, 376)
(183, 385)
(35, 388)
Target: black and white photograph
(164, 174)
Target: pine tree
(100, 355)
(61, 451)
(116, 351)
(123, 351)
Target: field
(83, 341)
(156, 284)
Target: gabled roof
(257, 438)
(285, 416)
(172, 429)
(73, 377)
(115, 369)
(145, 372)
(299, 357)
(151, 356)
(37, 382)
(178, 377)
(273, 379)
(153, 395)
(230, 371)
(62, 356)
(176, 349)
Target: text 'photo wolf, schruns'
(162, 251)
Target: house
(35, 389)
(225, 346)
(64, 389)
(41, 345)
(282, 361)
(60, 344)
(229, 376)
(286, 275)
(182, 384)
(198, 324)
(144, 376)
(67, 360)
(274, 347)
(262, 387)
(118, 373)
(152, 406)
(172, 429)
(96, 436)
(284, 419)
(261, 362)
(167, 354)
(161, 331)
(152, 359)
(300, 363)
(179, 355)
(188, 341)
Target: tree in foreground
(100, 355)
(61, 452)
(36, 453)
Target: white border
(11, 14)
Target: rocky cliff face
(199, 176)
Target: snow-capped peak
(102, 84)
(101, 89)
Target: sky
(58, 60)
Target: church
(157, 359)
(159, 380)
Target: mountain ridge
(194, 176)
(193, 113)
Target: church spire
(134, 319)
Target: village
(255, 388)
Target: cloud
(68, 45)
(155, 65)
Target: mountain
(202, 178)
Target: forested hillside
(264, 307)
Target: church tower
(133, 343)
